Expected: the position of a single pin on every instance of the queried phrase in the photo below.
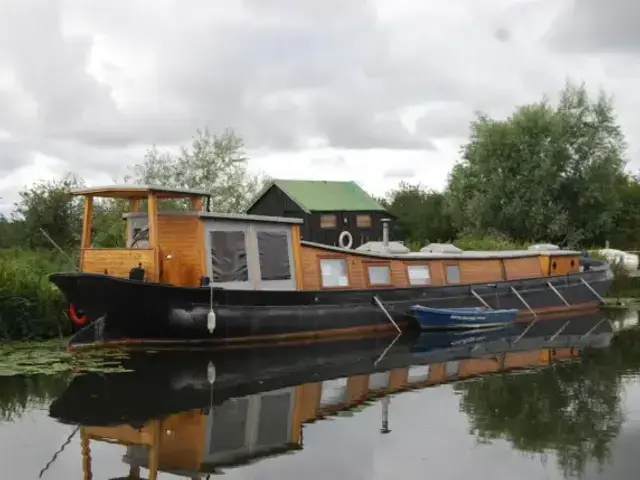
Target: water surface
(559, 400)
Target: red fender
(74, 316)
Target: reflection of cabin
(193, 443)
(327, 208)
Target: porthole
(573, 263)
(554, 265)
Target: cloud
(400, 173)
(93, 84)
(596, 26)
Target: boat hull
(462, 318)
(123, 310)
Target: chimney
(385, 231)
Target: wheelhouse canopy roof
(139, 191)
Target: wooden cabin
(244, 251)
(193, 443)
(327, 208)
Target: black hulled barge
(196, 276)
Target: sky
(374, 91)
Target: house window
(273, 250)
(419, 274)
(363, 221)
(379, 275)
(328, 221)
(229, 257)
(452, 273)
(334, 272)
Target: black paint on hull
(122, 309)
(173, 381)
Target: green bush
(31, 307)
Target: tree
(51, 207)
(422, 214)
(544, 173)
(214, 163)
(626, 225)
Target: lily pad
(48, 358)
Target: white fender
(211, 321)
(341, 239)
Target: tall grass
(31, 307)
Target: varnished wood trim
(319, 258)
(86, 222)
(297, 256)
(134, 205)
(154, 239)
(202, 247)
(196, 203)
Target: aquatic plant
(50, 357)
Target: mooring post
(555, 290)
(523, 301)
(592, 289)
(475, 294)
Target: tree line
(547, 173)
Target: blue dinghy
(474, 317)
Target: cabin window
(273, 250)
(452, 273)
(379, 380)
(334, 392)
(363, 221)
(334, 272)
(229, 257)
(419, 274)
(379, 275)
(328, 221)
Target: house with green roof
(328, 208)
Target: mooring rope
(55, 455)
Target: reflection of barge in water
(208, 277)
(172, 418)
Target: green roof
(326, 196)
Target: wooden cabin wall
(181, 236)
(523, 267)
(118, 261)
(478, 271)
(564, 264)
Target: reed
(30, 306)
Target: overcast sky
(373, 91)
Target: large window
(334, 272)
(273, 250)
(229, 257)
(453, 273)
(419, 275)
(379, 274)
(328, 221)
(363, 221)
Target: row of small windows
(229, 262)
(331, 221)
(334, 273)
